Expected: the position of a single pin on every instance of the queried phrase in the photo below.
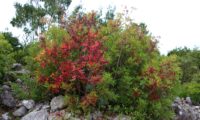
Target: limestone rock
(5, 116)
(6, 87)
(188, 100)
(19, 81)
(20, 112)
(29, 104)
(7, 99)
(36, 115)
(185, 110)
(16, 66)
(57, 103)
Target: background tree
(190, 65)
(31, 16)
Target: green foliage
(6, 58)
(189, 63)
(29, 89)
(104, 92)
(14, 42)
(191, 89)
(144, 81)
(134, 79)
(31, 15)
(190, 66)
(74, 66)
(32, 50)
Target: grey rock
(22, 71)
(122, 117)
(19, 81)
(16, 66)
(45, 107)
(29, 104)
(36, 115)
(67, 116)
(188, 100)
(38, 107)
(20, 112)
(185, 110)
(5, 116)
(10, 76)
(6, 87)
(58, 103)
(7, 99)
(177, 100)
(96, 115)
(41, 106)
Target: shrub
(142, 77)
(6, 58)
(73, 62)
(189, 64)
(29, 89)
(192, 90)
(32, 50)
(114, 66)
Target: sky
(175, 22)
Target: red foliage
(159, 80)
(153, 91)
(136, 93)
(79, 59)
(88, 100)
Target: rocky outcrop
(29, 104)
(185, 110)
(6, 97)
(57, 103)
(56, 110)
(5, 116)
(16, 66)
(10, 76)
(20, 112)
(37, 115)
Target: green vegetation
(108, 66)
(190, 66)
(29, 89)
(31, 16)
(110, 63)
(6, 57)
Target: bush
(192, 90)
(111, 66)
(32, 50)
(72, 63)
(6, 58)
(29, 89)
(189, 64)
(144, 80)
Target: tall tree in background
(32, 15)
(189, 63)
